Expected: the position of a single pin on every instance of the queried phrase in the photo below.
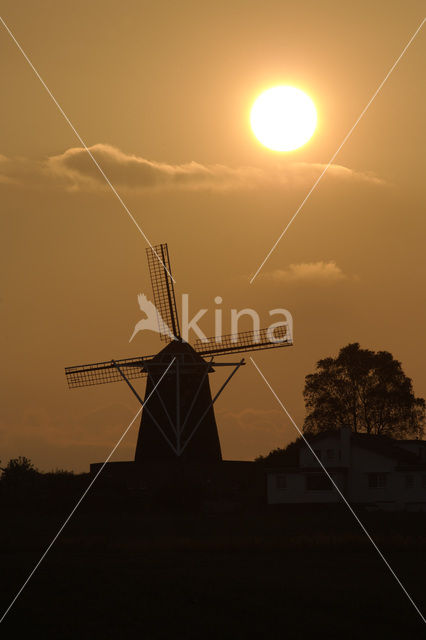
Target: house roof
(382, 445)
(385, 446)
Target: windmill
(178, 422)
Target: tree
(19, 471)
(287, 457)
(366, 390)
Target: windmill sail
(103, 372)
(245, 341)
(163, 291)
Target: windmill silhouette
(179, 421)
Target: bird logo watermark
(276, 332)
(153, 320)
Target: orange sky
(163, 92)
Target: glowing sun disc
(283, 118)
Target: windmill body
(178, 422)
(173, 408)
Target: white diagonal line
(79, 138)
(80, 500)
(339, 148)
(340, 493)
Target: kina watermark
(275, 332)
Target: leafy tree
(19, 471)
(366, 390)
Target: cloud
(311, 171)
(75, 170)
(133, 172)
(71, 442)
(310, 272)
(253, 420)
(250, 432)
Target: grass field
(117, 573)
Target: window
(409, 482)
(330, 454)
(376, 480)
(318, 482)
(281, 481)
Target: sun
(283, 118)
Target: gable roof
(382, 445)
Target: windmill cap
(182, 351)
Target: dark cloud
(75, 170)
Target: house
(368, 469)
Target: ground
(120, 572)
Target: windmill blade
(104, 372)
(245, 341)
(163, 291)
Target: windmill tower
(178, 421)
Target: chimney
(345, 445)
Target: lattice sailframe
(245, 341)
(104, 372)
(163, 291)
